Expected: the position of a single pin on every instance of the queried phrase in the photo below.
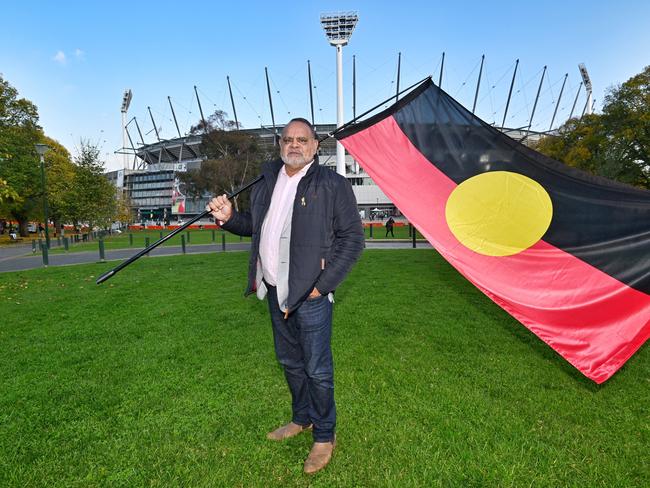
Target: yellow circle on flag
(499, 213)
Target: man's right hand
(220, 208)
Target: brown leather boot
(287, 431)
(319, 456)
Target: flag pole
(124, 264)
(347, 124)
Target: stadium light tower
(338, 29)
(587, 82)
(126, 101)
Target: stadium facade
(156, 195)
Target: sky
(75, 59)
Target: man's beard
(294, 161)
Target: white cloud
(60, 58)
(79, 54)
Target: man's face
(297, 145)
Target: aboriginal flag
(564, 252)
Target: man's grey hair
(303, 121)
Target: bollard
(371, 231)
(183, 243)
(33, 246)
(410, 229)
(241, 238)
(146, 243)
(46, 259)
(213, 235)
(102, 256)
(130, 239)
(188, 236)
(160, 235)
(414, 234)
(66, 244)
(223, 241)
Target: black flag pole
(348, 124)
(124, 264)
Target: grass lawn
(121, 241)
(165, 376)
(401, 232)
(201, 237)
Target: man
(389, 226)
(306, 235)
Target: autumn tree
(123, 207)
(614, 144)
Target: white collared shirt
(283, 197)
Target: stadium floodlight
(126, 101)
(587, 82)
(338, 28)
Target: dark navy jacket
(326, 232)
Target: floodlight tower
(587, 82)
(338, 29)
(126, 101)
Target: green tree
(91, 199)
(59, 171)
(233, 157)
(217, 121)
(6, 192)
(614, 144)
(19, 131)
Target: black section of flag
(604, 223)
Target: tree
(614, 144)
(91, 199)
(217, 121)
(6, 192)
(123, 207)
(232, 157)
(19, 131)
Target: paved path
(20, 256)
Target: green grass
(165, 376)
(401, 232)
(121, 241)
(200, 237)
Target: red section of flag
(593, 320)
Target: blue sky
(74, 59)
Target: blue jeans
(303, 348)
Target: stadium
(156, 195)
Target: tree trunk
(57, 226)
(22, 228)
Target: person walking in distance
(389, 226)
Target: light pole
(338, 29)
(126, 101)
(42, 149)
(587, 81)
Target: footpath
(20, 257)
